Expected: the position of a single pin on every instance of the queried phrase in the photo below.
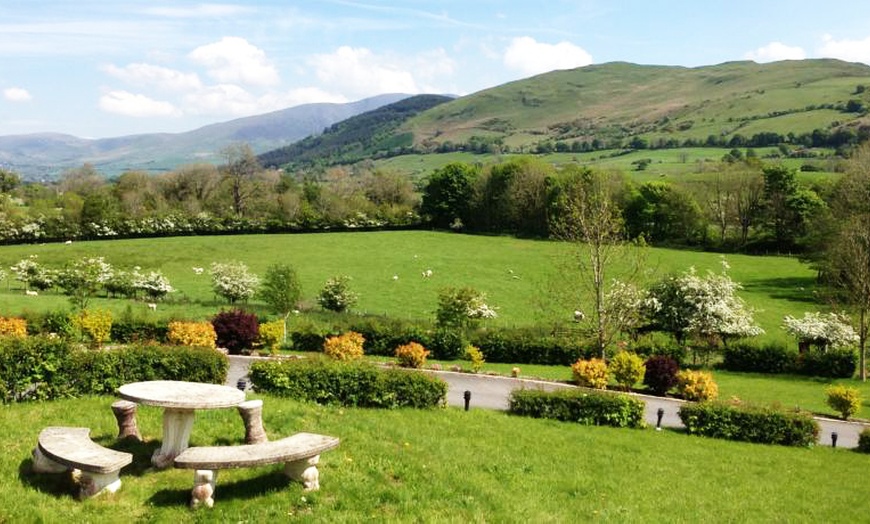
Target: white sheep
(31, 293)
(578, 315)
(395, 277)
(427, 273)
(198, 270)
(152, 306)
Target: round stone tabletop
(182, 395)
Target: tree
(233, 281)
(281, 290)
(448, 194)
(661, 212)
(239, 170)
(83, 278)
(9, 180)
(336, 295)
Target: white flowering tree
(704, 306)
(462, 307)
(83, 278)
(831, 330)
(233, 281)
(336, 294)
(27, 270)
(154, 284)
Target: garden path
(492, 392)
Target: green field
(441, 466)
(515, 274)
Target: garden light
(834, 439)
(467, 397)
(242, 384)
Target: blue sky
(97, 68)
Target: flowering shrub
(95, 325)
(696, 385)
(194, 334)
(460, 307)
(26, 270)
(844, 400)
(347, 346)
(233, 281)
(336, 295)
(830, 330)
(627, 369)
(661, 374)
(271, 334)
(236, 330)
(153, 284)
(13, 327)
(83, 278)
(475, 355)
(590, 373)
(411, 355)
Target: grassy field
(441, 466)
(516, 274)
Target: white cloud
(530, 57)
(775, 51)
(141, 74)
(198, 11)
(849, 50)
(235, 60)
(131, 104)
(16, 94)
(357, 72)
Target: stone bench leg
(252, 415)
(43, 464)
(305, 471)
(203, 488)
(125, 414)
(90, 484)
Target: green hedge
(325, 381)
(763, 425)
(44, 368)
(531, 346)
(777, 358)
(575, 405)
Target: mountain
(366, 135)
(45, 155)
(617, 101)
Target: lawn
(442, 466)
(517, 275)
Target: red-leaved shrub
(661, 374)
(236, 330)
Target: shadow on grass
(58, 484)
(794, 289)
(226, 491)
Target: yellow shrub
(845, 400)
(411, 355)
(347, 346)
(95, 325)
(696, 385)
(591, 373)
(474, 354)
(13, 327)
(194, 334)
(272, 334)
(627, 369)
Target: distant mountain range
(46, 155)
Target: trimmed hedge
(325, 381)
(45, 368)
(763, 425)
(532, 346)
(776, 358)
(595, 408)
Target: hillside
(363, 136)
(618, 101)
(45, 155)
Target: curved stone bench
(300, 454)
(59, 449)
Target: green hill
(362, 136)
(617, 102)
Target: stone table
(179, 401)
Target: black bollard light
(659, 414)
(834, 439)
(242, 384)
(467, 397)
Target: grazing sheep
(152, 306)
(31, 293)
(395, 277)
(578, 316)
(198, 270)
(427, 273)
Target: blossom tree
(83, 278)
(233, 281)
(831, 330)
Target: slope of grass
(441, 466)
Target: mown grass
(442, 466)
(519, 276)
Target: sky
(97, 68)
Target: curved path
(492, 392)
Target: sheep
(198, 270)
(152, 306)
(395, 277)
(427, 273)
(31, 293)
(578, 316)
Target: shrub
(233, 281)
(697, 386)
(271, 335)
(652, 345)
(383, 335)
(835, 363)
(531, 346)
(34, 368)
(475, 356)
(336, 295)
(591, 373)
(661, 374)
(327, 381)
(411, 355)
(448, 344)
(236, 330)
(844, 400)
(627, 369)
(94, 324)
(13, 327)
(864, 441)
(192, 334)
(749, 423)
(347, 346)
(570, 405)
(769, 358)
(459, 308)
